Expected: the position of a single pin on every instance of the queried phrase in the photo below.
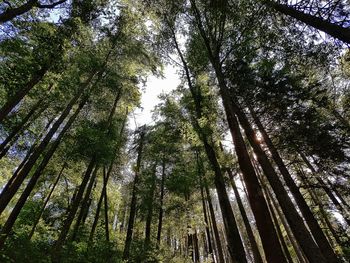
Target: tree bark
(33, 180)
(132, 214)
(331, 29)
(13, 101)
(327, 190)
(15, 133)
(22, 174)
(160, 217)
(105, 198)
(302, 234)
(272, 248)
(252, 241)
(150, 209)
(11, 13)
(312, 223)
(207, 229)
(55, 257)
(84, 204)
(46, 202)
(220, 254)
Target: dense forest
(247, 160)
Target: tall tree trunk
(132, 214)
(234, 240)
(312, 223)
(105, 198)
(46, 201)
(97, 214)
(302, 234)
(331, 29)
(278, 227)
(272, 248)
(15, 133)
(314, 198)
(8, 195)
(25, 159)
(327, 190)
(33, 180)
(206, 221)
(252, 241)
(161, 200)
(220, 254)
(196, 247)
(55, 257)
(13, 101)
(150, 209)
(275, 211)
(84, 204)
(11, 13)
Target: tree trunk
(302, 234)
(278, 227)
(73, 210)
(13, 101)
(11, 13)
(331, 29)
(46, 202)
(196, 247)
(15, 133)
(272, 248)
(105, 198)
(160, 217)
(314, 198)
(25, 159)
(220, 254)
(33, 180)
(252, 241)
(327, 190)
(132, 214)
(206, 221)
(235, 244)
(316, 230)
(275, 210)
(150, 209)
(7, 196)
(84, 204)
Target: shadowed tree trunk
(275, 211)
(33, 180)
(18, 129)
(132, 214)
(214, 225)
(160, 216)
(13, 101)
(56, 251)
(105, 198)
(272, 248)
(207, 226)
(150, 208)
(331, 29)
(316, 230)
(250, 234)
(46, 202)
(6, 197)
(301, 233)
(84, 204)
(327, 190)
(11, 13)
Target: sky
(154, 87)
